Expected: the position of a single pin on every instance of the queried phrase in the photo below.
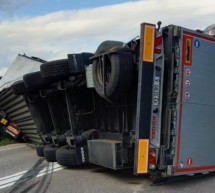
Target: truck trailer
(158, 117)
(147, 104)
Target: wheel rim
(99, 72)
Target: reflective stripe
(148, 44)
(143, 154)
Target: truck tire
(56, 69)
(50, 153)
(119, 71)
(34, 80)
(109, 45)
(39, 150)
(19, 88)
(66, 156)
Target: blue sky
(22, 8)
(51, 29)
(45, 6)
(11, 10)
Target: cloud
(3, 71)
(9, 6)
(54, 35)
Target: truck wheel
(55, 69)
(50, 153)
(66, 156)
(118, 77)
(39, 150)
(109, 45)
(19, 88)
(34, 80)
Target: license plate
(156, 90)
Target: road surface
(21, 171)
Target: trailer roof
(21, 66)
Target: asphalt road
(21, 171)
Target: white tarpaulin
(21, 66)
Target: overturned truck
(147, 104)
(158, 116)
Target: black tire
(19, 88)
(109, 45)
(66, 156)
(39, 150)
(50, 153)
(55, 69)
(119, 74)
(34, 80)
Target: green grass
(6, 141)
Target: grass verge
(7, 141)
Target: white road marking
(12, 148)
(12, 179)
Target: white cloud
(54, 35)
(3, 71)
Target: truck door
(196, 104)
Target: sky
(50, 29)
